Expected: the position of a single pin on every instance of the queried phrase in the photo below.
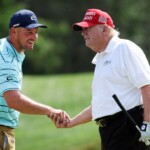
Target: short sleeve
(10, 79)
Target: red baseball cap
(93, 17)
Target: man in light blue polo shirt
(23, 33)
(10, 79)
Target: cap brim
(31, 26)
(80, 25)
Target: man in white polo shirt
(121, 68)
(23, 33)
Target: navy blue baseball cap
(26, 19)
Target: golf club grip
(124, 111)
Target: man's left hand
(145, 133)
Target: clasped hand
(61, 120)
(145, 133)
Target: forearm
(83, 117)
(28, 106)
(146, 100)
(24, 104)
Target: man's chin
(29, 48)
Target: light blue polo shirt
(10, 79)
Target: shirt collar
(111, 44)
(108, 49)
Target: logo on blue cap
(26, 19)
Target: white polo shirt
(121, 69)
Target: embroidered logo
(33, 17)
(102, 19)
(143, 127)
(9, 78)
(107, 62)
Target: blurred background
(58, 72)
(62, 50)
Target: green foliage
(47, 57)
(7, 9)
(60, 49)
(71, 93)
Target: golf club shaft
(125, 112)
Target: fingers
(59, 123)
(145, 140)
(64, 116)
(60, 113)
(64, 119)
(60, 118)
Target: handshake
(145, 133)
(60, 119)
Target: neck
(14, 44)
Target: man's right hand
(60, 118)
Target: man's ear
(13, 30)
(105, 29)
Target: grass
(72, 93)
